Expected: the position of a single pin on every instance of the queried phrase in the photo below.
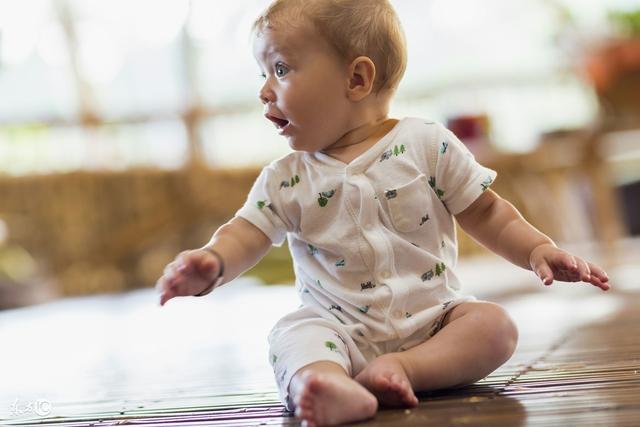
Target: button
(385, 274)
(397, 314)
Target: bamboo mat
(577, 364)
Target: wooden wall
(116, 230)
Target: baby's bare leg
(324, 394)
(477, 338)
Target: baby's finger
(568, 262)
(187, 262)
(595, 281)
(183, 267)
(208, 264)
(161, 284)
(598, 272)
(170, 273)
(166, 296)
(543, 271)
(584, 273)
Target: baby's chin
(304, 146)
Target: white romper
(373, 244)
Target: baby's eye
(281, 69)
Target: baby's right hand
(189, 274)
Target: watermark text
(38, 407)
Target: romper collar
(364, 160)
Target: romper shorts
(304, 337)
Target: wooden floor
(577, 363)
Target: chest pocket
(408, 204)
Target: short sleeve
(459, 179)
(264, 209)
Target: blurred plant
(16, 264)
(626, 23)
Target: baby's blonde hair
(353, 27)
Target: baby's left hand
(550, 262)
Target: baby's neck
(359, 139)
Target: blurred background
(129, 130)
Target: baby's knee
(501, 331)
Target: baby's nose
(266, 95)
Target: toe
(398, 385)
(314, 384)
(304, 414)
(381, 382)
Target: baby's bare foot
(327, 400)
(386, 378)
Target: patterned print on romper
(486, 183)
(435, 326)
(427, 276)
(290, 183)
(395, 151)
(324, 197)
(367, 285)
(439, 191)
(443, 147)
(440, 268)
(333, 309)
(330, 345)
(284, 374)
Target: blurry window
(135, 69)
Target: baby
(367, 204)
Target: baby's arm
(238, 244)
(496, 224)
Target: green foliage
(627, 23)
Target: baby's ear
(362, 74)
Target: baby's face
(305, 88)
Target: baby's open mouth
(280, 123)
